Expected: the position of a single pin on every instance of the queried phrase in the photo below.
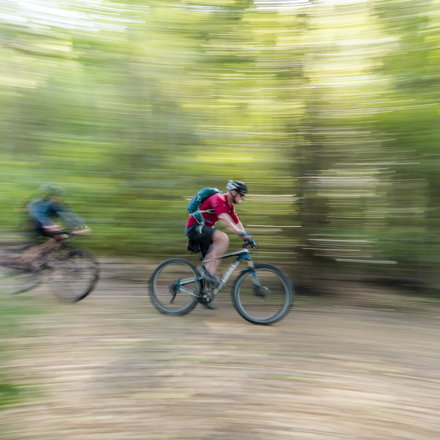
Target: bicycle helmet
(50, 190)
(237, 185)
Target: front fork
(251, 269)
(255, 279)
(259, 291)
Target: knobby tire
(70, 268)
(164, 283)
(276, 287)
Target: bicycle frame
(18, 265)
(241, 255)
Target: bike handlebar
(250, 243)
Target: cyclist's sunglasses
(241, 194)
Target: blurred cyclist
(214, 243)
(42, 211)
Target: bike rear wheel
(14, 277)
(14, 281)
(175, 287)
(264, 304)
(74, 274)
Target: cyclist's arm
(244, 237)
(236, 228)
(240, 226)
(69, 217)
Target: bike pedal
(209, 306)
(206, 301)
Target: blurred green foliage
(328, 111)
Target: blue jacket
(42, 211)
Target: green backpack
(197, 200)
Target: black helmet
(237, 185)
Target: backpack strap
(199, 217)
(202, 211)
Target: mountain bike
(262, 294)
(70, 272)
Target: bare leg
(218, 249)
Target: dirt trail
(112, 368)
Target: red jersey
(219, 203)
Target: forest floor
(362, 364)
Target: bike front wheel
(264, 296)
(175, 287)
(74, 274)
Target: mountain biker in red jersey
(214, 243)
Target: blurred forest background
(328, 110)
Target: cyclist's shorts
(36, 231)
(39, 233)
(202, 234)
